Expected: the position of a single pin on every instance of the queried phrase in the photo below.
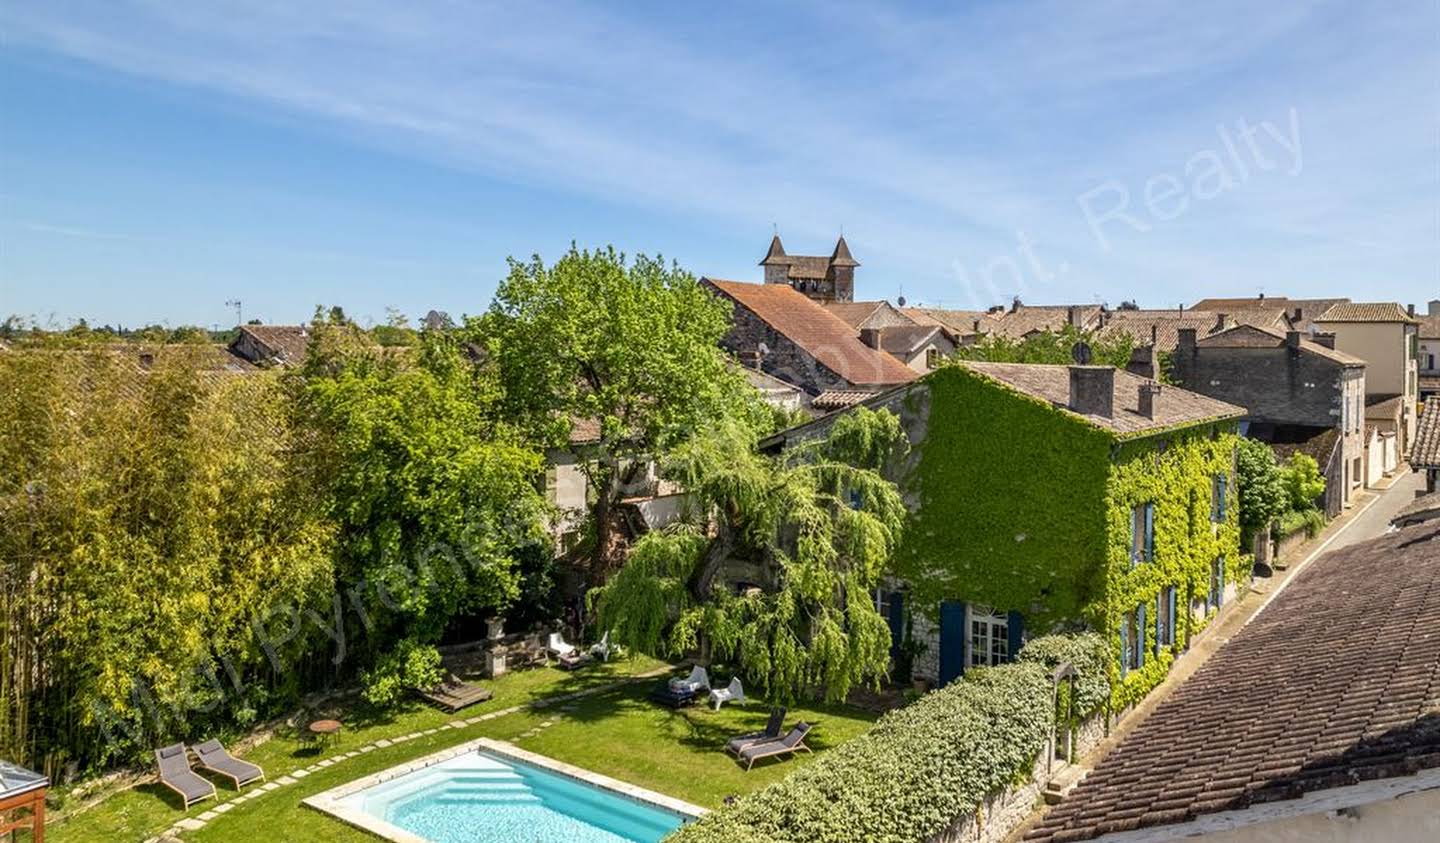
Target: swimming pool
(497, 794)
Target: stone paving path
(172, 835)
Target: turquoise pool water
(483, 798)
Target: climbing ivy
(1175, 474)
(1041, 481)
(1037, 519)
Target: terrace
(597, 718)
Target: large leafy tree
(810, 530)
(432, 492)
(625, 348)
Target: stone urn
(494, 628)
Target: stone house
(1053, 497)
(868, 314)
(825, 279)
(1278, 312)
(921, 347)
(1294, 390)
(1385, 336)
(789, 335)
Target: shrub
(1312, 521)
(920, 767)
(410, 665)
(1087, 653)
(1303, 481)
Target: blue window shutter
(1124, 644)
(1173, 608)
(854, 498)
(964, 637)
(1149, 532)
(897, 621)
(1140, 636)
(1159, 622)
(1015, 631)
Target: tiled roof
(1429, 325)
(1425, 453)
(862, 314)
(1383, 407)
(1336, 682)
(286, 344)
(1422, 509)
(822, 335)
(1387, 311)
(961, 322)
(1300, 313)
(1166, 325)
(908, 339)
(839, 399)
(1254, 336)
(1051, 383)
(1430, 381)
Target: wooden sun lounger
(175, 773)
(454, 694)
(214, 758)
(794, 741)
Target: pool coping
(329, 801)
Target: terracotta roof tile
(1388, 311)
(1165, 324)
(908, 339)
(1425, 453)
(861, 314)
(1328, 686)
(1255, 336)
(1051, 383)
(286, 344)
(839, 399)
(1429, 325)
(821, 334)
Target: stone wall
(783, 358)
(1276, 385)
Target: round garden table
(323, 730)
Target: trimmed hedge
(921, 767)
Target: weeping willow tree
(806, 535)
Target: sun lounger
(794, 741)
(697, 681)
(454, 693)
(214, 758)
(601, 650)
(175, 773)
(734, 692)
(772, 732)
(558, 647)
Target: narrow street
(1375, 521)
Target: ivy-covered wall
(1007, 499)
(1022, 506)
(1174, 471)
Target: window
(1219, 488)
(882, 602)
(1142, 534)
(1165, 618)
(932, 357)
(1132, 640)
(989, 637)
(1217, 582)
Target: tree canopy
(626, 348)
(1050, 347)
(811, 531)
(1263, 496)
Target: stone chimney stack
(871, 337)
(1292, 339)
(1411, 311)
(1327, 340)
(147, 360)
(1092, 390)
(1220, 321)
(1187, 339)
(1072, 315)
(1149, 399)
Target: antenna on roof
(775, 229)
(239, 314)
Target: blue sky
(159, 158)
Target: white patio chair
(734, 692)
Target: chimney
(1154, 334)
(1292, 339)
(147, 360)
(1433, 307)
(1187, 338)
(1072, 315)
(1327, 340)
(1149, 399)
(1220, 320)
(1092, 390)
(1412, 311)
(1297, 315)
(871, 337)
(1144, 362)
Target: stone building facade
(824, 279)
(1294, 389)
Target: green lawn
(618, 733)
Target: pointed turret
(776, 255)
(842, 256)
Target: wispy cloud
(931, 135)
